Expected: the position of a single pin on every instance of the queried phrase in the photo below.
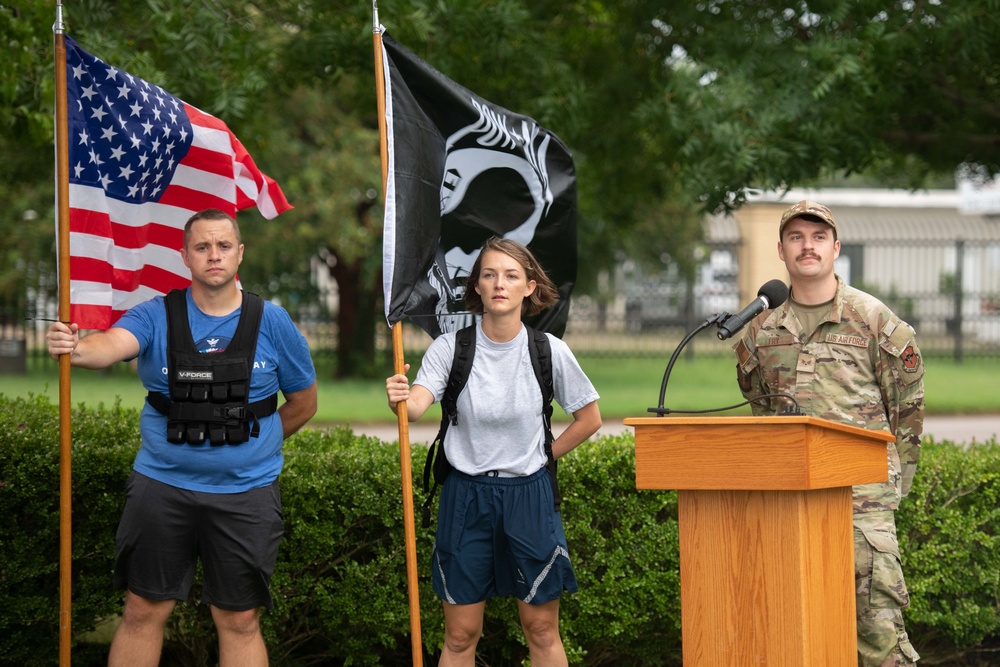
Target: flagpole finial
(59, 27)
(375, 23)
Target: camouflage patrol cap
(806, 208)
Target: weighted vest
(209, 392)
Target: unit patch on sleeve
(911, 360)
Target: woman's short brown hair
(545, 294)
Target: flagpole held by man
(65, 371)
(204, 483)
(133, 164)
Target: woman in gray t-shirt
(498, 531)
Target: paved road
(957, 428)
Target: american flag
(141, 162)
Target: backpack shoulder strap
(540, 351)
(541, 362)
(461, 368)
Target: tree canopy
(790, 90)
(670, 109)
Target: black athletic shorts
(165, 530)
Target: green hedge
(340, 586)
(949, 537)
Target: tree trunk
(357, 312)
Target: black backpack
(461, 366)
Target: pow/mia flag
(460, 170)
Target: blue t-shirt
(282, 363)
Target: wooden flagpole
(65, 428)
(409, 527)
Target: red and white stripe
(122, 254)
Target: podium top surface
(782, 452)
(770, 420)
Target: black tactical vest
(209, 391)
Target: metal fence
(949, 291)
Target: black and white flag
(460, 170)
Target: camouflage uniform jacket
(860, 367)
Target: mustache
(808, 254)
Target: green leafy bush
(104, 445)
(340, 586)
(341, 583)
(949, 536)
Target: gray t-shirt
(500, 424)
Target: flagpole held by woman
(409, 526)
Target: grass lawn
(628, 386)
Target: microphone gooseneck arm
(717, 319)
(772, 294)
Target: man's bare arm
(298, 408)
(97, 350)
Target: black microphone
(771, 295)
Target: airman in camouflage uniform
(844, 356)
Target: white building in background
(979, 198)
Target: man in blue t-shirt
(212, 497)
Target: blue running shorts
(500, 537)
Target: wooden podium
(766, 532)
